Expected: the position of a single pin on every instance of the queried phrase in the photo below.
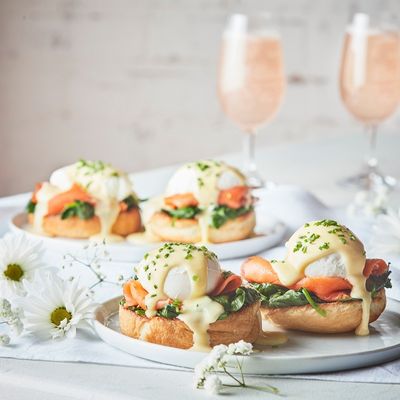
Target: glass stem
(249, 146)
(372, 160)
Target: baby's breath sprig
(219, 360)
(12, 318)
(94, 255)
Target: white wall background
(133, 82)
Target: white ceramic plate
(303, 353)
(269, 232)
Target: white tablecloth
(297, 164)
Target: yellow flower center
(14, 272)
(59, 314)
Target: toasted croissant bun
(244, 324)
(341, 316)
(126, 223)
(188, 230)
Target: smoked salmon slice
(259, 270)
(325, 287)
(181, 200)
(235, 197)
(57, 203)
(375, 266)
(134, 294)
(227, 285)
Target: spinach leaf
(377, 282)
(235, 301)
(221, 214)
(79, 209)
(313, 304)
(131, 202)
(30, 207)
(288, 299)
(139, 311)
(276, 296)
(170, 311)
(222, 299)
(184, 212)
(239, 300)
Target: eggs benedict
(205, 201)
(181, 297)
(325, 284)
(88, 199)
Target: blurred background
(133, 82)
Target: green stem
(241, 370)
(228, 385)
(268, 388)
(229, 374)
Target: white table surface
(316, 166)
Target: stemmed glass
(251, 80)
(370, 85)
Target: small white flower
(213, 384)
(4, 340)
(385, 238)
(16, 327)
(5, 306)
(55, 308)
(12, 317)
(218, 352)
(200, 372)
(369, 203)
(19, 259)
(240, 347)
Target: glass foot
(254, 180)
(370, 180)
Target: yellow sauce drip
(198, 314)
(319, 239)
(271, 339)
(43, 196)
(198, 310)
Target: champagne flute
(251, 80)
(370, 86)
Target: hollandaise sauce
(318, 239)
(198, 310)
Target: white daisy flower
(54, 308)
(19, 259)
(385, 238)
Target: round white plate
(303, 353)
(269, 232)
